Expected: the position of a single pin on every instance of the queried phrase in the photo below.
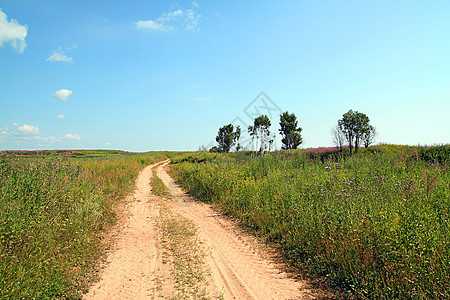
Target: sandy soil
(236, 266)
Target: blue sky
(158, 75)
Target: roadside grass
(375, 223)
(178, 237)
(53, 214)
(158, 187)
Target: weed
(364, 222)
(53, 213)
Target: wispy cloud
(63, 94)
(59, 55)
(186, 19)
(31, 133)
(71, 136)
(61, 116)
(47, 139)
(13, 33)
(220, 16)
(150, 25)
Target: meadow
(55, 207)
(374, 224)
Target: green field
(375, 224)
(54, 210)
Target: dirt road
(234, 266)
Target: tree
(261, 130)
(214, 149)
(361, 127)
(338, 137)
(237, 138)
(227, 137)
(354, 125)
(290, 132)
(369, 136)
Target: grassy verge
(179, 238)
(376, 223)
(53, 213)
(158, 187)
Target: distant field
(375, 223)
(54, 209)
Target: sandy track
(134, 268)
(235, 266)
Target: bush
(437, 154)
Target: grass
(179, 237)
(53, 214)
(158, 187)
(376, 223)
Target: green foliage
(376, 223)
(437, 154)
(214, 149)
(196, 157)
(290, 132)
(327, 154)
(261, 130)
(356, 129)
(225, 137)
(53, 213)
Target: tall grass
(53, 213)
(376, 223)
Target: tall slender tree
(338, 137)
(261, 130)
(237, 138)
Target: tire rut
(134, 268)
(235, 267)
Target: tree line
(352, 130)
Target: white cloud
(4, 131)
(60, 56)
(150, 25)
(15, 124)
(13, 33)
(186, 19)
(61, 116)
(46, 139)
(29, 129)
(63, 94)
(108, 144)
(71, 136)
